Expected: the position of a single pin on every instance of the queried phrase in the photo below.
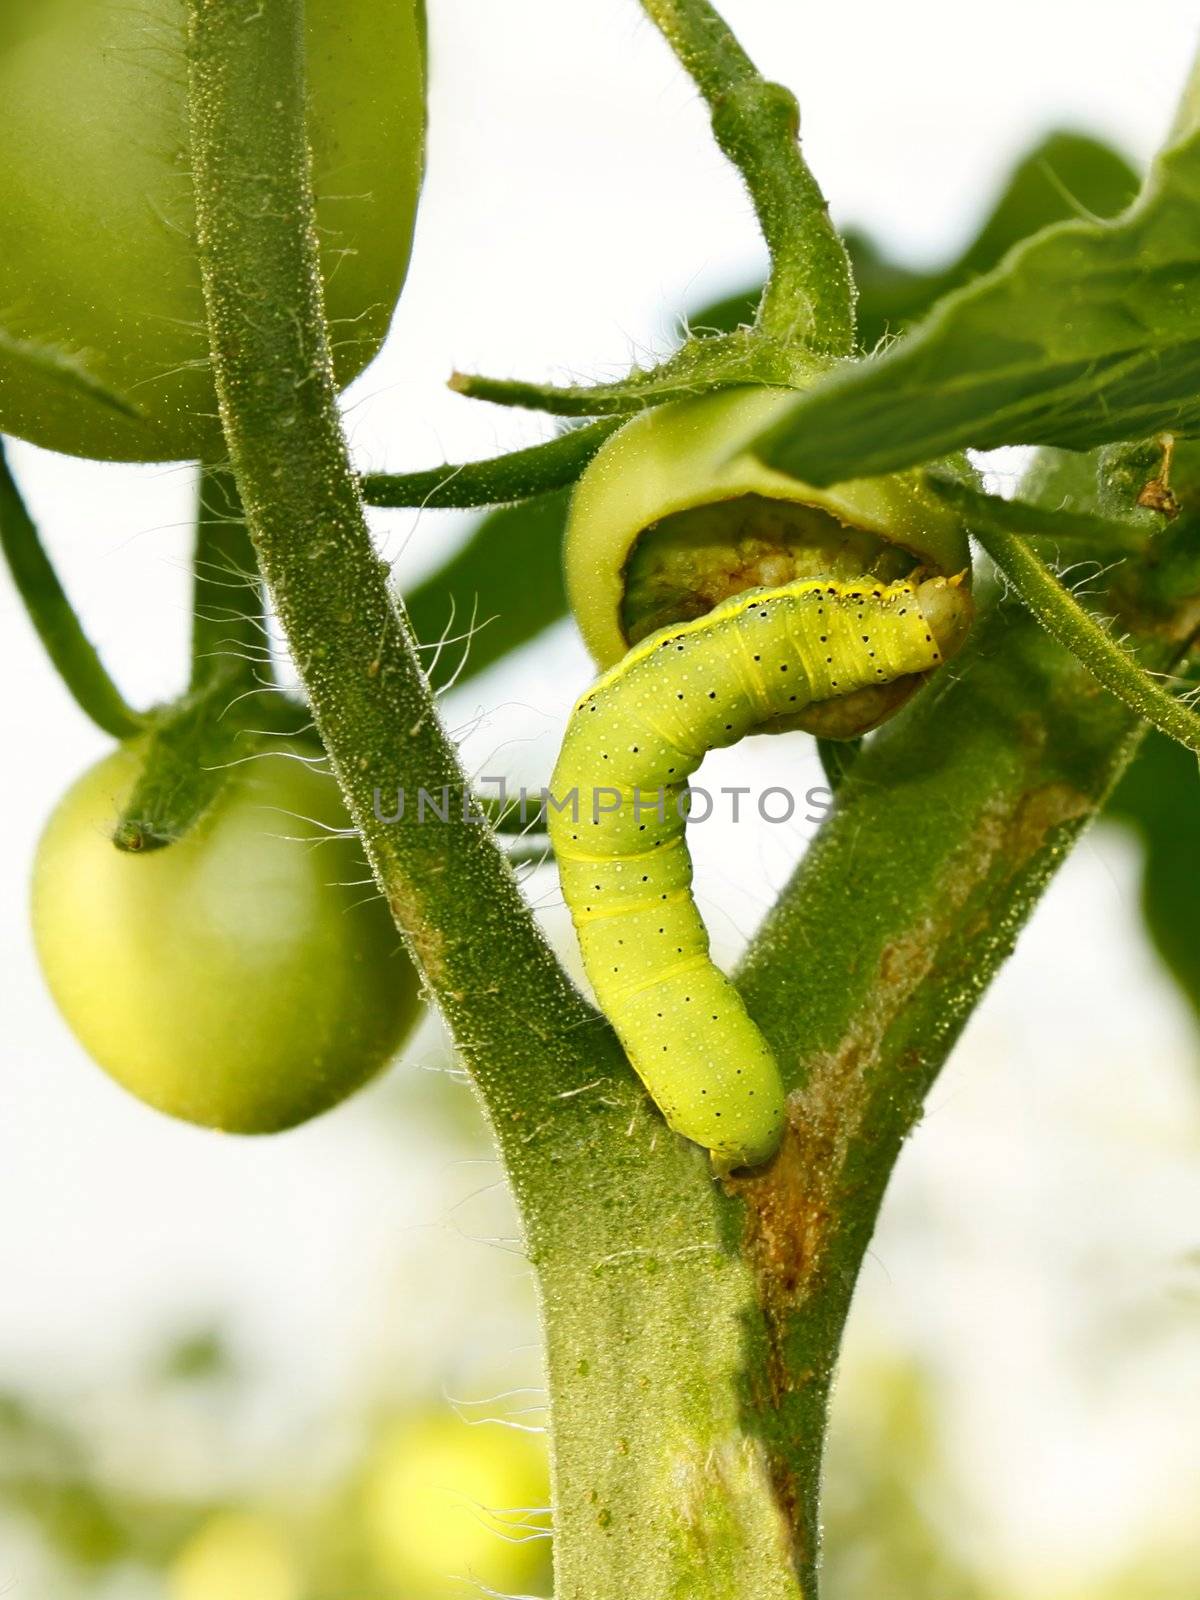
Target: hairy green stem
(228, 627)
(187, 758)
(943, 838)
(1085, 637)
(1040, 522)
(70, 650)
(520, 476)
(691, 1328)
(809, 297)
(643, 1290)
(725, 361)
(496, 980)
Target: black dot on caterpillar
(715, 1081)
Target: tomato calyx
(189, 753)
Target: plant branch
(521, 475)
(699, 367)
(1078, 631)
(642, 1294)
(809, 297)
(1040, 522)
(449, 887)
(228, 625)
(74, 656)
(942, 839)
(186, 761)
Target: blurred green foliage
(434, 1507)
(1159, 798)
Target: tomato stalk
(229, 632)
(497, 982)
(691, 1328)
(71, 652)
(805, 316)
(620, 1220)
(809, 295)
(1087, 637)
(519, 476)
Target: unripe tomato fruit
(448, 1508)
(674, 515)
(244, 977)
(236, 1555)
(103, 350)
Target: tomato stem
(228, 625)
(520, 475)
(187, 759)
(747, 356)
(1127, 536)
(1086, 636)
(504, 995)
(70, 650)
(809, 297)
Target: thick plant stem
(691, 1328)
(71, 651)
(624, 1224)
(495, 979)
(809, 295)
(1012, 753)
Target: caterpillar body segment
(618, 821)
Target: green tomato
(673, 516)
(244, 977)
(236, 1555)
(447, 1508)
(103, 350)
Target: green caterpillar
(638, 735)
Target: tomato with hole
(103, 350)
(674, 515)
(245, 977)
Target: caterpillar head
(673, 516)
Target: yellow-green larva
(619, 809)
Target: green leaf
(1087, 333)
(63, 370)
(1064, 175)
(1159, 797)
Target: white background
(574, 209)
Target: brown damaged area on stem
(793, 1206)
(799, 1207)
(426, 941)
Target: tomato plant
(243, 978)
(103, 350)
(693, 1319)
